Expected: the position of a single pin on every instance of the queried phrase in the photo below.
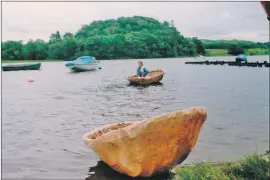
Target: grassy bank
(224, 52)
(257, 51)
(209, 52)
(251, 167)
(216, 52)
(25, 61)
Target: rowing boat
(153, 76)
(20, 67)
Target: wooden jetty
(232, 63)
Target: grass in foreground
(251, 167)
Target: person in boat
(141, 70)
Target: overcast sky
(206, 20)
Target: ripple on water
(103, 172)
(43, 124)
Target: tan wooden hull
(147, 147)
(154, 76)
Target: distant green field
(217, 52)
(24, 61)
(257, 51)
(224, 52)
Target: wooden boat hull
(152, 77)
(148, 147)
(21, 67)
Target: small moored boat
(241, 57)
(84, 63)
(153, 76)
(21, 67)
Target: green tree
(125, 37)
(56, 51)
(68, 36)
(12, 50)
(235, 50)
(199, 46)
(36, 50)
(55, 37)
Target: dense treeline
(126, 37)
(131, 37)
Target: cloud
(17, 29)
(233, 20)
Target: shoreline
(251, 166)
(32, 61)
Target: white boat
(83, 67)
(200, 56)
(84, 63)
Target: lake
(43, 122)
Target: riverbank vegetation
(126, 38)
(249, 52)
(252, 166)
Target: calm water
(43, 122)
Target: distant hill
(122, 38)
(125, 37)
(136, 37)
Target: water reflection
(146, 85)
(80, 72)
(103, 172)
